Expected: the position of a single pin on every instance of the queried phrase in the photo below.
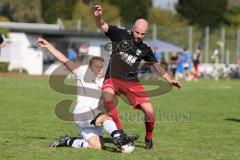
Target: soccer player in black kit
(128, 49)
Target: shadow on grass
(139, 144)
(233, 119)
(108, 148)
(106, 141)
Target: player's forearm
(57, 54)
(101, 24)
(167, 77)
(98, 20)
(162, 72)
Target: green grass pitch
(199, 122)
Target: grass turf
(201, 121)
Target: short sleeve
(113, 33)
(150, 57)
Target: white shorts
(84, 115)
(89, 132)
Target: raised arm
(166, 76)
(98, 12)
(57, 54)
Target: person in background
(180, 69)
(158, 55)
(187, 64)
(163, 62)
(196, 62)
(238, 68)
(173, 64)
(2, 44)
(72, 55)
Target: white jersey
(89, 95)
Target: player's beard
(137, 40)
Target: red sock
(111, 108)
(149, 124)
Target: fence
(226, 40)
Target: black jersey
(1, 39)
(126, 55)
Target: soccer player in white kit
(87, 114)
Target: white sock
(80, 143)
(110, 126)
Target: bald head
(140, 29)
(141, 24)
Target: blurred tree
(233, 17)
(4, 19)
(84, 12)
(5, 9)
(165, 18)
(111, 13)
(233, 3)
(22, 11)
(130, 10)
(51, 10)
(203, 13)
(171, 28)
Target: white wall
(20, 54)
(94, 48)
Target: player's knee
(147, 108)
(96, 145)
(104, 117)
(108, 94)
(101, 119)
(107, 97)
(149, 111)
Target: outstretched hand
(42, 43)
(176, 84)
(97, 10)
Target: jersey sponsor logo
(129, 59)
(125, 42)
(129, 31)
(125, 45)
(120, 27)
(138, 52)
